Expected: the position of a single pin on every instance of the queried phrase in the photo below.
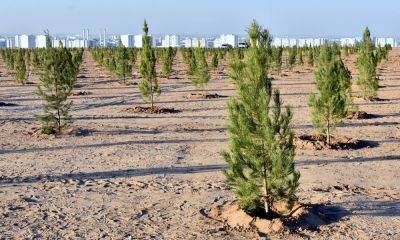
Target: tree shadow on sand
(316, 216)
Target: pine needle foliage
(123, 67)
(277, 58)
(367, 80)
(57, 81)
(333, 82)
(202, 75)
(261, 157)
(215, 60)
(20, 68)
(149, 84)
(168, 56)
(292, 57)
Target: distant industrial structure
(175, 41)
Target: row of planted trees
(202, 61)
(58, 69)
(261, 147)
(121, 60)
(24, 62)
(261, 152)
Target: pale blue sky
(282, 17)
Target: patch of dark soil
(359, 115)
(81, 76)
(80, 132)
(204, 96)
(149, 110)
(4, 104)
(318, 142)
(81, 93)
(376, 99)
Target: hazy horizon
(310, 18)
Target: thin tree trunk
(59, 120)
(328, 136)
(266, 203)
(151, 95)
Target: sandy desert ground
(119, 175)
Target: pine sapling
(214, 60)
(20, 68)
(333, 82)
(123, 65)
(367, 80)
(202, 75)
(58, 79)
(168, 56)
(149, 84)
(261, 157)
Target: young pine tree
(9, 59)
(168, 56)
(123, 65)
(261, 157)
(333, 82)
(215, 60)
(310, 58)
(366, 64)
(192, 62)
(202, 76)
(277, 58)
(292, 57)
(58, 79)
(300, 56)
(148, 85)
(20, 68)
(48, 39)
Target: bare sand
(149, 176)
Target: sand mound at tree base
(38, 132)
(358, 115)
(300, 217)
(318, 142)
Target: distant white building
(170, 41)
(292, 42)
(225, 40)
(380, 41)
(59, 42)
(17, 41)
(187, 42)
(198, 42)
(320, 41)
(41, 41)
(348, 41)
(10, 42)
(2, 43)
(277, 42)
(127, 40)
(27, 41)
(300, 42)
(303, 42)
(287, 42)
(138, 41)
